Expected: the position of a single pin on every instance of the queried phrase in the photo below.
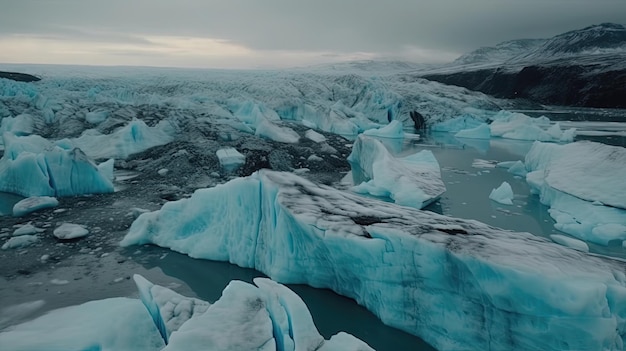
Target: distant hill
(585, 67)
(20, 77)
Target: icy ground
(156, 135)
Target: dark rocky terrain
(582, 68)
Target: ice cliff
(459, 284)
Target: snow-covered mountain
(500, 53)
(585, 67)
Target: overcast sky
(278, 33)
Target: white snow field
(459, 284)
(584, 185)
(413, 180)
(268, 316)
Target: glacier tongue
(458, 284)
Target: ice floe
(584, 186)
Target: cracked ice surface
(459, 284)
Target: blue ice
(459, 284)
(33, 166)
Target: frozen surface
(502, 194)
(584, 186)
(33, 166)
(32, 204)
(69, 231)
(103, 325)
(20, 241)
(459, 284)
(414, 180)
(230, 159)
(483, 131)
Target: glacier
(413, 180)
(459, 284)
(583, 184)
(267, 316)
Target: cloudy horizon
(278, 33)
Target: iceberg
(583, 184)
(483, 131)
(267, 316)
(394, 129)
(459, 284)
(512, 125)
(502, 194)
(33, 166)
(414, 180)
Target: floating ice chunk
(168, 309)
(496, 288)
(587, 170)
(503, 194)
(20, 241)
(582, 184)
(344, 342)
(479, 163)
(230, 159)
(518, 168)
(570, 242)
(27, 229)
(456, 124)
(32, 166)
(69, 231)
(106, 169)
(163, 171)
(522, 127)
(315, 136)
(133, 138)
(413, 181)
(110, 324)
(32, 204)
(394, 129)
(483, 131)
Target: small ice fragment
(59, 282)
(315, 136)
(315, 158)
(503, 194)
(32, 204)
(68, 231)
(163, 171)
(20, 241)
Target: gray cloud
(332, 26)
